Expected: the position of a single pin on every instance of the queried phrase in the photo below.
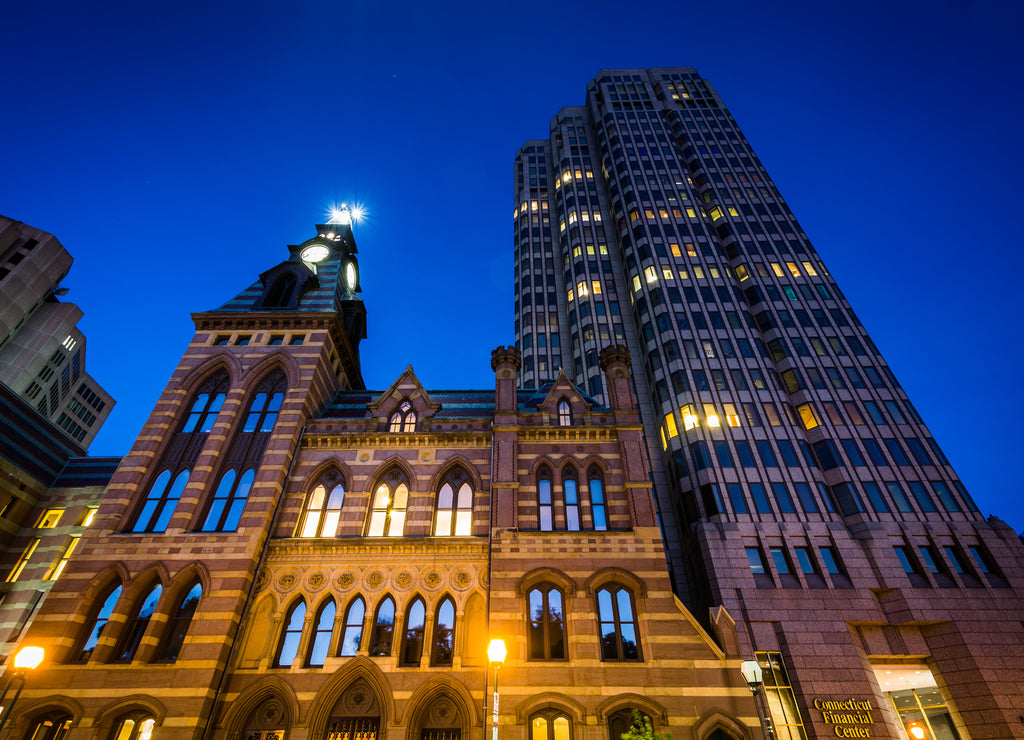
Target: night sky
(176, 148)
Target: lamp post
(496, 655)
(754, 676)
(26, 660)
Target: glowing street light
(26, 660)
(754, 676)
(496, 655)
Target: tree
(642, 729)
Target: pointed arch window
(564, 413)
(404, 419)
(177, 626)
(322, 632)
(598, 511)
(443, 649)
(323, 510)
(98, 624)
(571, 493)
(551, 725)
(133, 631)
(52, 726)
(454, 514)
(545, 504)
(390, 499)
(412, 639)
(383, 628)
(288, 647)
(546, 635)
(161, 500)
(281, 292)
(136, 726)
(619, 640)
(229, 501)
(353, 634)
(266, 404)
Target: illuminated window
(135, 727)
(178, 625)
(781, 699)
(288, 647)
(595, 286)
(807, 416)
(97, 624)
(454, 515)
(690, 418)
(546, 626)
(716, 213)
(52, 726)
(670, 425)
(135, 628)
(49, 518)
(731, 417)
(383, 628)
(404, 419)
(651, 274)
(62, 560)
(618, 631)
(711, 415)
(26, 554)
(353, 634)
(564, 413)
(387, 519)
(88, 515)
(323, 512)
(777, 269)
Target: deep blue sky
(175, 148)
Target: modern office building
(285, 554)
(42, 351)
(797, 484)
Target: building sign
(851, 717)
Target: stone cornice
(315, 549)
(335, 440)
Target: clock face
(350, 275)
(315, 253)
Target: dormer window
(564, 413)
(404, 419)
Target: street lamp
(26, 660)
(496, 655)
(754, 676)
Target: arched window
(383, 628)
(229, 501)
(288, 648)
(564, 414)
(454, 514)
(597, 504)
(387, 519)
(404, 419)
(52, 726)
(323, 511)
(134, 726)
(131, 634)
(412, 641)
(551, 724)
(546, 634)
(281, 292)
(353, 634)
(99, 623)
(156, 510)
(545, 505)
(322, 632)
(177, 626)
(623, 721)
(161, 501)
(204, 409)
(266, 404)
(618, 624)
(570, 490)
(444, 634)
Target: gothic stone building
(284, 554)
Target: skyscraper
(42, 351)
(797, 484)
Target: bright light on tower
(346, 213)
